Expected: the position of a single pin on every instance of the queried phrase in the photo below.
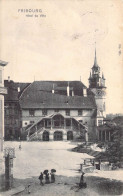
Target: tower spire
(90, 75)
(103, 76)
(95, 59)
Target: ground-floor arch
(58, 136)
(69, 135)
(45, 136)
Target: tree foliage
(115, 148)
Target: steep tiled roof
(61, 86)
(38, 94)
(40, 99)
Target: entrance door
(58, 136)
(69, 135)
(45, 136)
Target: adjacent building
(3, 91)
(12, 110)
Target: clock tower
(97, 86)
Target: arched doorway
(58, 121)
(69, 135)
(58, 136)
(45, 136)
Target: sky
(59, 44)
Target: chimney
(8, 78)
(68, 90)
(18, 89)
(53, 89)
(85, 92)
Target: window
(32, 112)
(56, 110)
(67, 112)
(44, 112)
(99, 122)
(79, 112)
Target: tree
(115, 148)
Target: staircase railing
(36, 133)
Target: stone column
(51, 123)
(71, 123)
(44, 123)
(101, 136)
(64, 123)
(27, 138)
(109, 136)
(41, 136)
(65, 136)
(51, 136)
(105, 135)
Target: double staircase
(36, 135)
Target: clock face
(99, 93)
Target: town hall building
(60, 110)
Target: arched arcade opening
(69, 135)
(58, 136)
(45, 136)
